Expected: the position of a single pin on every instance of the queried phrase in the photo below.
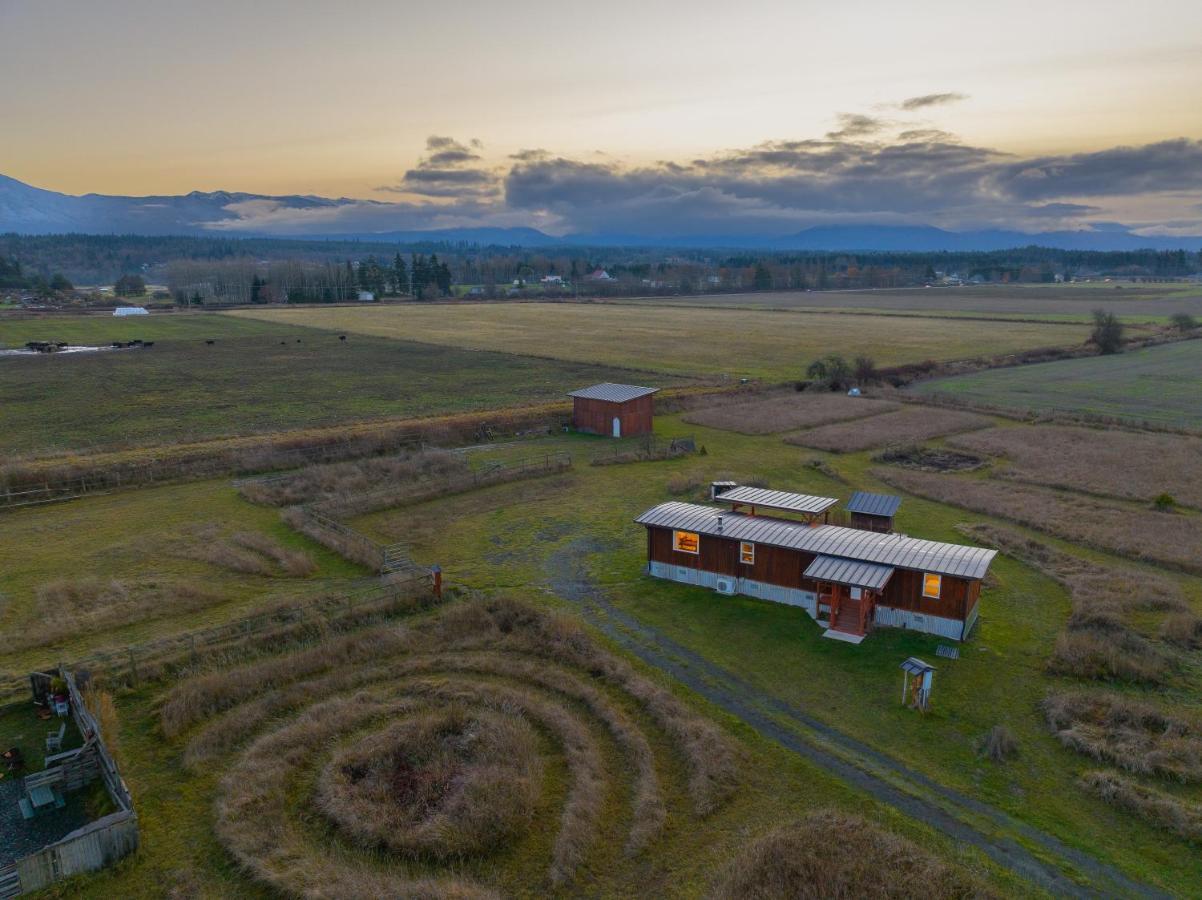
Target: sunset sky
(569, 115)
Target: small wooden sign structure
(916, 683)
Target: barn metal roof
(915, 666)
(614, 393)
(801, 503)
(849, 571)
(829, 540)
(873, 504)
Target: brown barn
(618, 410)
(848, 579)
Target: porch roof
(850, 572)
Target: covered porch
(848, 591)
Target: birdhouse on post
(916, 683)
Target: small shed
(916, 683)
(130, 311)
(618, 410)
(873, 512)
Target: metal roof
(614, 393)
(849, 571)
(916, 666)
(829, 540)
(802, 503)
(873, 504)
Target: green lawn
(256, 377)
(1159, 385)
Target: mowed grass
(738, 343)
(1159, 385)
(257, 377)
(1134, 302)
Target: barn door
(617, 427)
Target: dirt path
(1058, 868)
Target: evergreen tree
(762, 280)
(400, 275)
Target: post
(437, 572)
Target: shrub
(1164, 502)
(1183, 322)
(1107, 332)
(833, 854)
(998, 744)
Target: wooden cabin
(849, 580)
(617, 410)
(873, 512)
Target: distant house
(366, 296)
(130, 311)
(552, 279)
(619, 410)
(598, 275)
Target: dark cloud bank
(868, 170)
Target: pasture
(1156, 385)
(633, 735)
(256, 377)
(1068, 302)
(773, 346)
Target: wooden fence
(97, 844)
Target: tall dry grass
(293, 563)
(1097, 641)
(445, 783)
(831, 854)
(1174, 814)
(786, 412)
(336, 481)
(1111, 462)
(1129, 733)
(905, 426)
(100, 704)
(68, 607)
(1157, 537)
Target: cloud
(922, 102)
(866, 171)
(449, 169)
(856, 125)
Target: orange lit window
(686, 541)
(747, 552)
(931, 585)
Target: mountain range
(25, 209)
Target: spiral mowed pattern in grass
(414, 760)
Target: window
(686, 542)
(747, 552)
(856, 593)
(931, 584)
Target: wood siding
(871, 523)
(596, 416)
(780, 566)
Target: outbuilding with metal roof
(617, 410)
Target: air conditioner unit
(725, 586)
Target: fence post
(133, 666)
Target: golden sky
(338, 99)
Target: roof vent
(721, 516)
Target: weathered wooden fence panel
(96, 845)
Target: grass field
(511, 536)
(1160, 385)
(737, 343)
(1134, 302)
(257, 377)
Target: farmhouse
(619, 410)
(848, 579)
(130, 311)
